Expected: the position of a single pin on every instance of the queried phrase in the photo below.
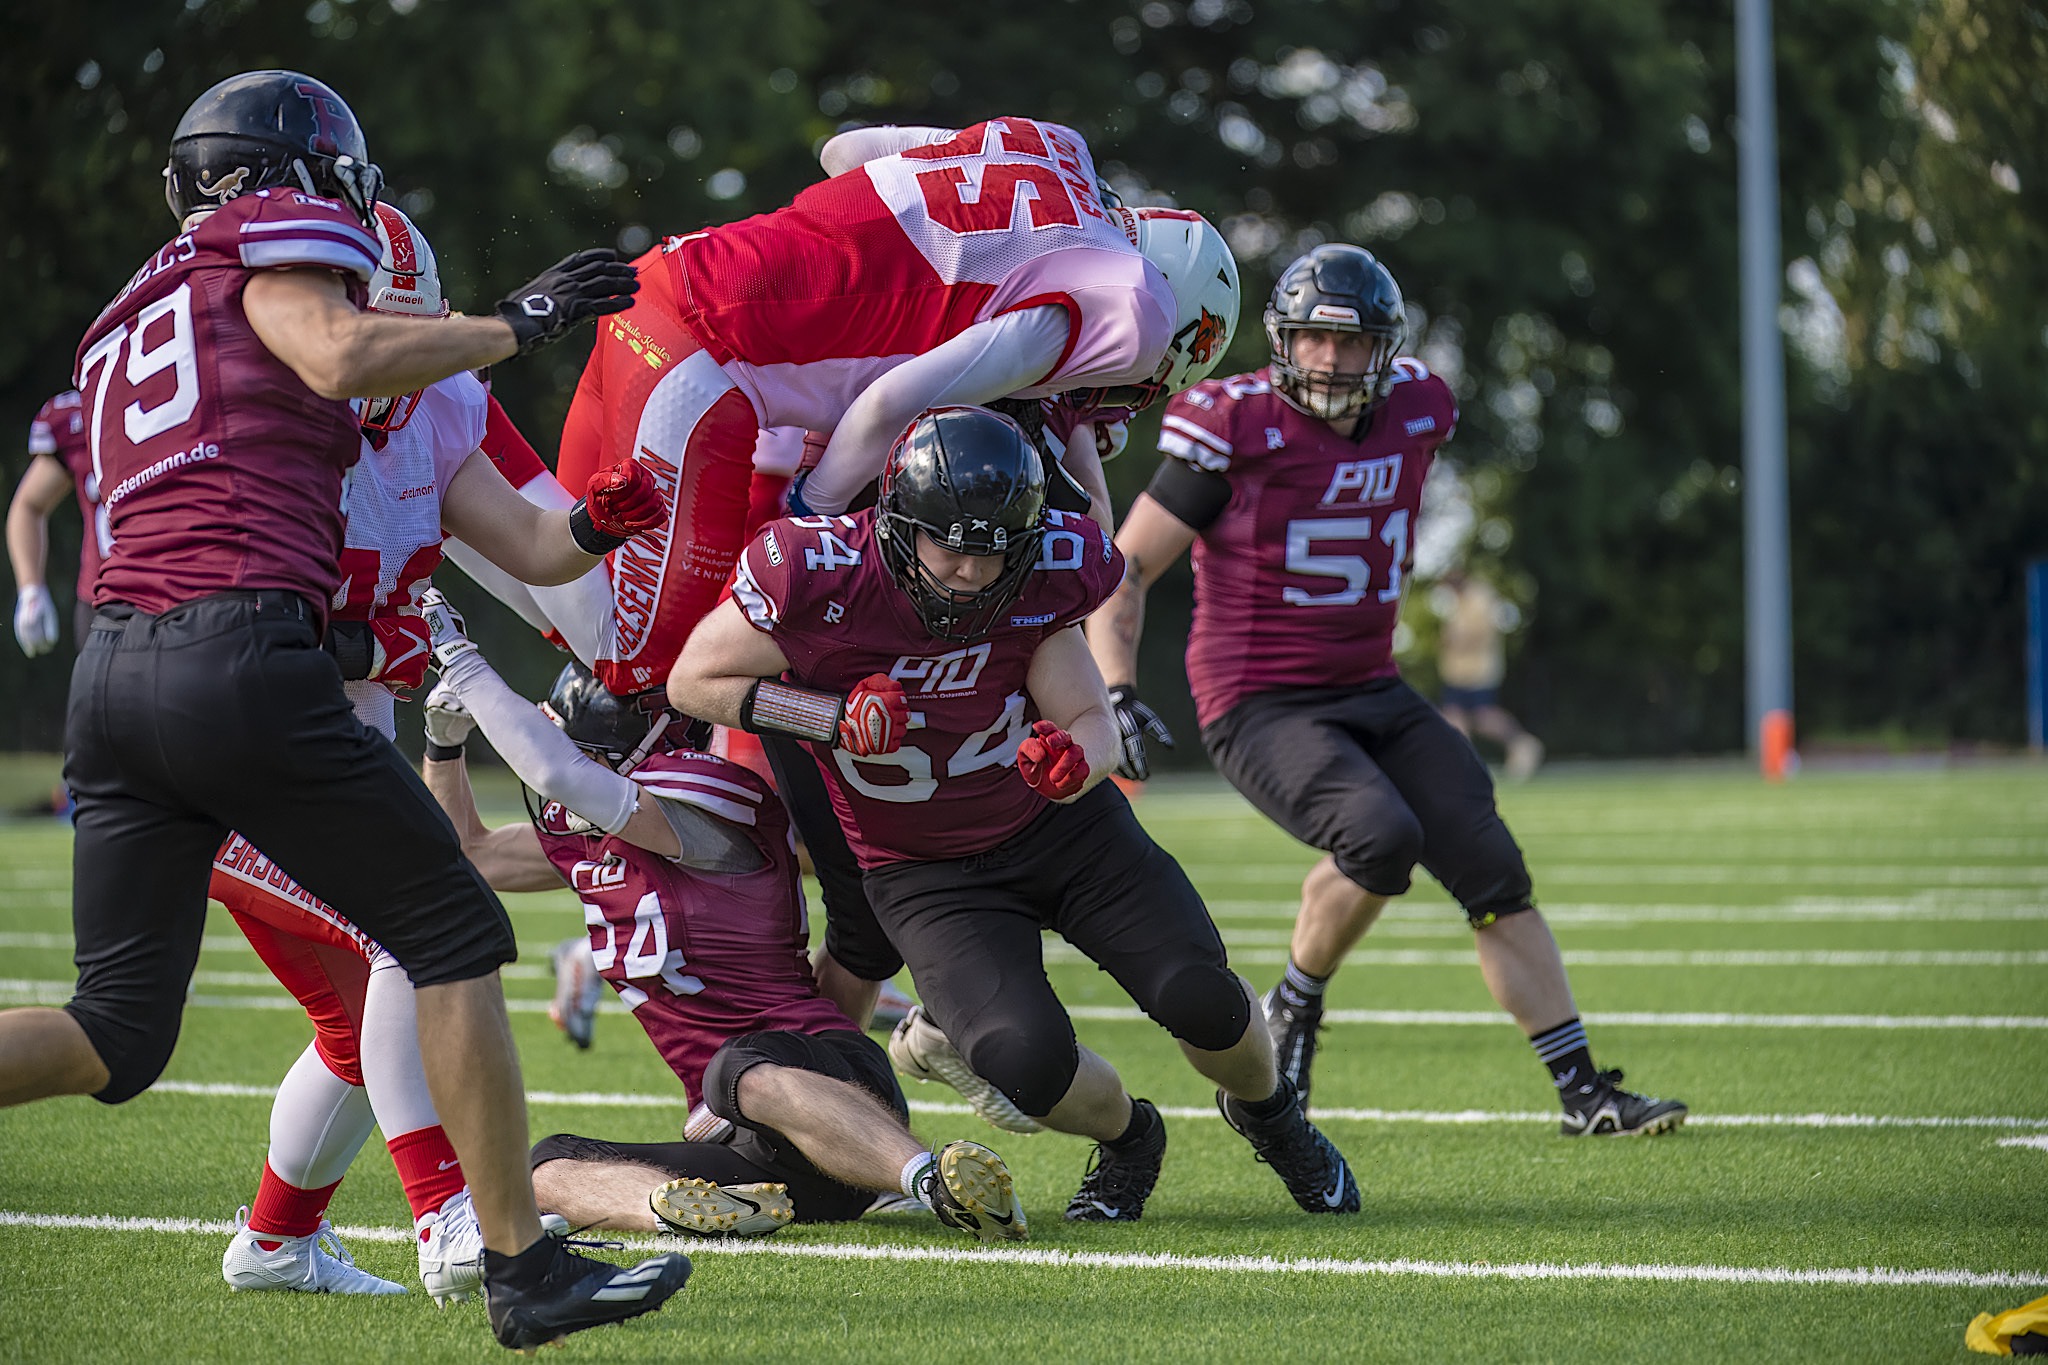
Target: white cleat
(314, 1264)
(922, 1051)
(451, 1251)
(577, 985)
(704, 1208)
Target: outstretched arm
(530, 542)
(305, 319)
(1151, 539)
(508, 857)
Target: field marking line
(1870, 1276)
(1647, 957)
(598, 1099)
(2040, 1142)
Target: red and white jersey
(58, 431)
(818, 585)
(1298, 583)
(218, 468)
(392, 540)
(806, 306)
(250, 884)
(699, 957)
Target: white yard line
(1868, 1276)
(1623, 957)
(598, 1099)
(2038, 1142)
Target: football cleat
(892, 1006)
(1308, 1163)
(922, 1051)
(577, 1292)
(969, 1188)
(314, 1264)
(574, 1008)
(1604, 1109)
(690, 1207)
(451, 1251)
(1117, 1183)
(1294, 1028)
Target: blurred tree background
(1552, 181)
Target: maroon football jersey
(217, 467)
(1298, 583)
(819, 586)
(58, 431)
(699, 957)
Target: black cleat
(1605, 1109)
(1119, 1181)
(1294, 1028)
(969, 1188)
(1308, 1163)
(578, 1292)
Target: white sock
(317, 1124)
(390, 1045)
(914, 1172)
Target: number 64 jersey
(1298, 581)
(819, 587)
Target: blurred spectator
(1472, 660)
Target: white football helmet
(407, 280)
(1197, 263)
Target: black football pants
(224, 714)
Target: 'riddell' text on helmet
(266, 128)
(407, 280)
(1336, 288)
(973, 483)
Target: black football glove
(1134, 721)
(574, 290)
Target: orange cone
(1780, 759)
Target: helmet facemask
(1332, 395)
(948, 612)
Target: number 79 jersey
(1298, 582)
(818, 586)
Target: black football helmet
(266, 128)
(1338, 288)
(619, 731)
(972, 481)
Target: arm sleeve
(985, 361)
(858, 146)
(1196, 496)
(543, 757)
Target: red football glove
(1050, 763)
(402, 647)
(875, 717)
(624, 500)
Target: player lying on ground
(1299, 485)
(684, 865)
(424, 472)
(977, 826)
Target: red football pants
(317, 955)
(651, 392)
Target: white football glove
(445, 628)
(449, 723)
(35, 621)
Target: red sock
(285, 1210)
(426, 1167)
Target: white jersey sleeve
(858, 146)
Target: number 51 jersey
(1298, 582)
(218, 468)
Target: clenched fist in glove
(875, 717)
(448, 721)
(399, 645)
(1050, 763)
(445, 628)
(575, 289)
(35, 620)
(1134, 721)
(617, 504)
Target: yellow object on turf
(1990, 1333)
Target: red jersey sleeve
(281, 229)
(510, 451)
(1429, 400)
(1079, 567)
(784, 575)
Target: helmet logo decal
(330, 118)
(1209, 333)
(405, 256)
(227, 186)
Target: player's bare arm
(1151, 539)
(723, 661)
(340, 351)
(44, 486)
(509, 857)
(1068, 689)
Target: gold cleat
(691, 1207)
(973, 1192)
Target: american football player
(1298, 485)
(60, 465)
(926, 652)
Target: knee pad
(1380, 855)
(1034, 1068)
(135, 1051)
(1204, 1006)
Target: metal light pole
(1767, 579)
